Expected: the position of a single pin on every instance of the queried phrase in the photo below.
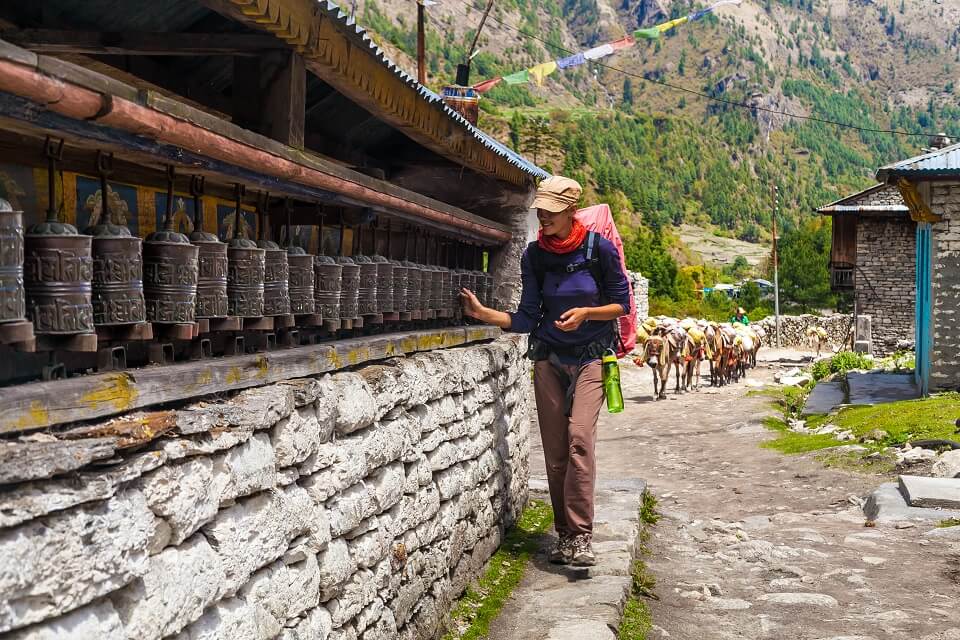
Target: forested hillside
(662, 156)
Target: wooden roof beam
(133, 43)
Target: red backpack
(599, 219)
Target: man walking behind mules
(574, 289)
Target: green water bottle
(611, 381)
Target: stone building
(872, 256)
(280, 475)
(930, 186)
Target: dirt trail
(757, 545)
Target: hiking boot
(562, 553)
(582, 551)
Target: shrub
(841, 363)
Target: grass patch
(925, 419)
(879, 465)
(479, 606)
(793, 443)
(949, 522)
(637, 620)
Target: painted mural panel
(121, 203)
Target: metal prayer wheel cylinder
(479, 286)
(488, 288)
(455, 287)
(301, 281)
(446, 293)
(349, 288)
(245, 272)
(414, 290)
(118, 296)
(212, 299)
(328, 280)
(399, 286)
(367, 286)
(170, 270)
(276, 292)
(436, 289)
(58, 272)
(385, 301)
(426, 288)
(13, 303)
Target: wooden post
(421, 47)
(285, 103)
(269, 95)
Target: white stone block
(61, 562)
(387, 387)
(369, 616)
(179, 584)
(296, 437)
(356, 406)
(348, 468)
(315, 625)
(335, 566)
(247, 469)
(350, 507)
(370, 548)
(231, 619)
(93, 622)
(184, 495)
(258, 530)
(383, 629)
(284, 591)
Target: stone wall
(793, 329)
(641, 295)
(351, 506)
(945, 290)
(886, 279)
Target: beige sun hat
(556, 194)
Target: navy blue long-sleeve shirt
(563, 291)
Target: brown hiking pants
(569, 444)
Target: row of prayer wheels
(66, 282)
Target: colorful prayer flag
(666, 26)
(520, 77)
(486, 85)
(650, 33)
(541, 71)
(596, 53)
(623, 43)
(571, 61)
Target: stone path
(757, 545)
(568, 603)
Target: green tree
(516, 126)
(804, 255)
(627, 91)
(750, 295)
(536, 137)
(682, 64)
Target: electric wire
(733, 103)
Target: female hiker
(574, 288)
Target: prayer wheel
(349, 288)
(212, 260)
(455, 287)
(245, 270)
(276, 275)
(13, 304)
(302, 295)
(58, 268)
(414, 288)
(399, 286)
(446, 293)
(488, 288)
(328, 279)
(436, 289)
(118, 297)
(366, 286)
(170, 271)
(385, 300)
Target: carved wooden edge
(357, 72)
(38, 405)
(917, 198)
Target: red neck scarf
(553, 244)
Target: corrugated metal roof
(360, 36)
(942, 162)
(843, 204)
